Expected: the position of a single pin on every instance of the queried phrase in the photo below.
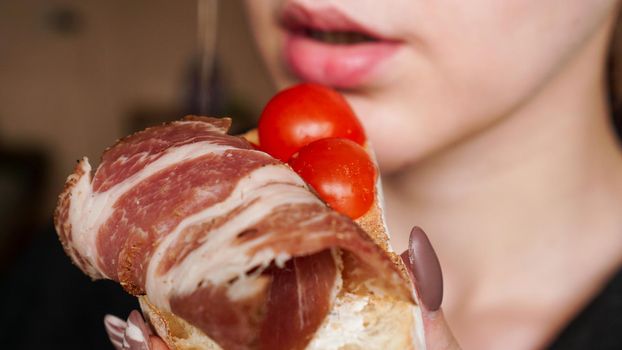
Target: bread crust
(389, 324)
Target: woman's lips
(340, 66)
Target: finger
(438, 336)
(157, 343)
(115, 327)
(427, 277)
(137, 333)
(133, 334)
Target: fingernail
(115, 327)
(423, 264)
(133, 334)
(137, 332)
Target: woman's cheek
(464, 66)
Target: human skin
(491, 126)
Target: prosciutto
(223, 235)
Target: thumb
(426, 275)
(438, 336)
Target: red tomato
(340, 171)
(302, 114)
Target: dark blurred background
(75, 75)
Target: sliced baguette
(359, 319)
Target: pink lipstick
(327, 47)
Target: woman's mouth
(336, 37)
(324, 46)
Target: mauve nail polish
(423, 263)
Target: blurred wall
(71, 72)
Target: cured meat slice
(134, 152)
(283, 316)
(225, 236)
(307, 299)
(154, 207)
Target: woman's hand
(426, 275)
(133, 334)
(425, 272)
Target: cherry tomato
(340, 171)
(302, 114)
